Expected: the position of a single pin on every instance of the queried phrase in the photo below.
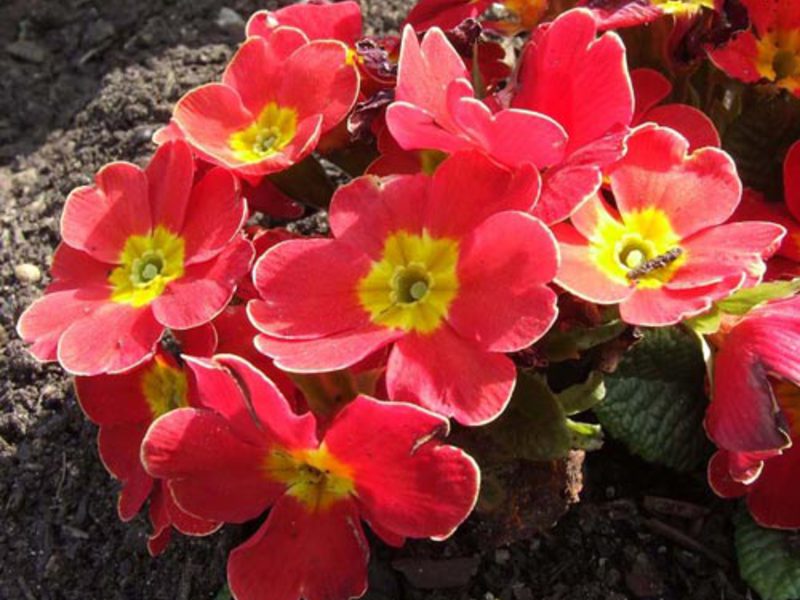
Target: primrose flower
(436, 109)
(124, 406)
(664, 254)
(318, 21)
(581, 81)
(447, 14)
(770, 50)
(650, 87)
(143, 251)
(754, 415)
(417, 263)
(380, 462)
(277, 96)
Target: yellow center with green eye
(643, 249)
(147, 264)
(314, 476)
(413, 285)
(164, 387)
(779, 58)
(271, 132)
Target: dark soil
(88, 81)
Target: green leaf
(585, 436)
(742, 301)
(655, 401)
(224, 594)
(707, 323)
(758, 139)
(583, 396)
(306, 182)
(769, 559)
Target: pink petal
(99, 219)
(338, 21)
(664, 306)
(416, 128)
(658, 173)
(208, 116)
(112, 338)
(329, 353)
(309, 289)
(317, 80)
(318, 555)
(451, 376)
(407, 481)
(204, 289)
(170, 175)
(580, 275)
(218, 213)
(506, 261)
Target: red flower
(754, 416)
(136, 260)
(318, 21)
(649, 88)
(124, 406)
(614, 14)
(665, 254)
(376, 461)
(417, 262)
(436, 108)
(770, 50)
(447, 14)
(277, 96)
(581, 81)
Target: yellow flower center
(314, 476)
(164, 387)
(412, 286)
(683, 7)
(147, 264)
(274, 128)
(643, 249)
(779, 58)
(526, 13)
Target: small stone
(27, 51)
(502, 556)
(28, 273)
(98, 32)
(229, 20)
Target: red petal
(719, 477)
(791, 180)
(665, 306)
(316, 556)
(184, 522)
(338, 21)
(218, 213)
(481, 188)
(212, 473)
(506, 261)
(739, 57)
(366, 211)
(451, 376)
(407, 482)
(415, 128)
(114, 399)
(329, 353)
(198, 341)
(309, 289)
(111, 339)
(649, 88)
(99, 219)
(118, 447)
(204, 289)
(170, 175)
(691, 123)
(658, 173)
(580, 81)
(775, 496)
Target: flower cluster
(483, 184)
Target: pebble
(502, 556)
(28, 273)
(27, 51)
(229, 20)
